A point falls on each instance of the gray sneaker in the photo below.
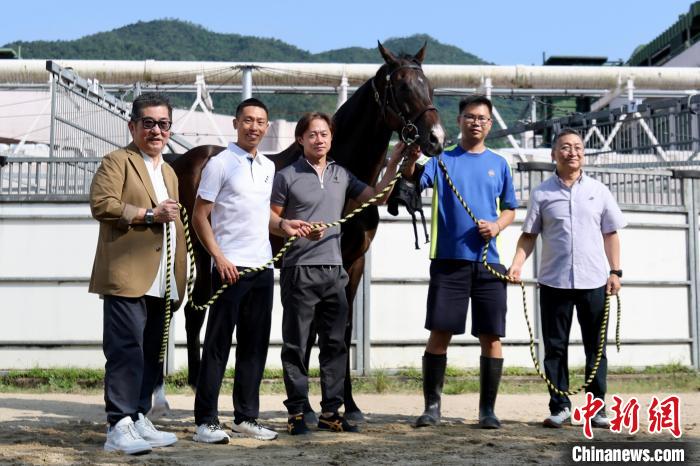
(600, 420)
(556, 420)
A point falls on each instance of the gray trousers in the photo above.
(314, 294)
(131, 341)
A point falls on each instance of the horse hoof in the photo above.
(355, 416)
(310, 418)
(159, 409)
(427, 420)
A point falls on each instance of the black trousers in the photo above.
(314, 295)
(557, 306)
(247, 307)
(131, 341)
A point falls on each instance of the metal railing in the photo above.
(47, 179)
(86, 121)
(658, 134)
(628, 186)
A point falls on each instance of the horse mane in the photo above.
(361, 138)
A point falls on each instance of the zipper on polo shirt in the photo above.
(323, 173)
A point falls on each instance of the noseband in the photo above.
(409, 131)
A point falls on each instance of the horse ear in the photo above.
(420, 56)
(386, 54)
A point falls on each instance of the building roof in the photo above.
(678, 37)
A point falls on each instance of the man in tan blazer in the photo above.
(134, 197)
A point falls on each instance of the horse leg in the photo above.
(160, 406)
(194, 319)
(352, 411)
(309, 413)
(193, 325)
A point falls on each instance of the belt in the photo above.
(323, 267)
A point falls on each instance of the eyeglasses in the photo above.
(479, 119)
(150, 123)
(567, 149)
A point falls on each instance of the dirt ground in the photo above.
(70, 429)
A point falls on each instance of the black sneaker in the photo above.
(297, 426)
(335, 423)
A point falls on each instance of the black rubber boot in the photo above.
(490, 378)
(433, 380)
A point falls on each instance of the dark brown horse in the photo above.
(397, 99)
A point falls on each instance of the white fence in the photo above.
(49, 319)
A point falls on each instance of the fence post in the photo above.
(691, 201)
(360, 319)
(536, 172)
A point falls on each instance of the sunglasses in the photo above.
(150, 123)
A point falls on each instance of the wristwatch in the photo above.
(150, 217)
(616, 272)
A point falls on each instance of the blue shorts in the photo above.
(453, 283)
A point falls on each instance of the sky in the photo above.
(505, 32)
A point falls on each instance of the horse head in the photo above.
(405, 97)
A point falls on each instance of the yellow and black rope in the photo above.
(168, 291)
(277, 257)
(606, 311)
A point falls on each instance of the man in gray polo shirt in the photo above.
(312, 279)
(578, 219)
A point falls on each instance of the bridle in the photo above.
(409, 131)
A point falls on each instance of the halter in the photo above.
(409, 131)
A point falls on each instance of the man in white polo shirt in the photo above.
(235, 191)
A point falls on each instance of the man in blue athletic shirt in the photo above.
(457, 275)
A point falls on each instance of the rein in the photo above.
(243, 272)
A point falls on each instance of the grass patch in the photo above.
(672, 377)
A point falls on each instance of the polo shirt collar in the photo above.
(329, 162)
(242, 154)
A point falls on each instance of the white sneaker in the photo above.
(123, 436)
(210, 433)
(254, 430)
(556, 420)
(153, 436)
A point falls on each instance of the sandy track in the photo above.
(69, 429)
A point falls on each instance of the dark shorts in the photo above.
(453, 283)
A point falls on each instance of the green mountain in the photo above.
(171, 39)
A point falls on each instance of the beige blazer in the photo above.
(128, 256)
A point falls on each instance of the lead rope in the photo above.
(277, 257)
(606, 311)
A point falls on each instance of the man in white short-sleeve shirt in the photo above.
(235, 191)
(578, 220)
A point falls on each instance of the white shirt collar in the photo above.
(149, 160)
(241, 153)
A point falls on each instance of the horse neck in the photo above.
(361, 136)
